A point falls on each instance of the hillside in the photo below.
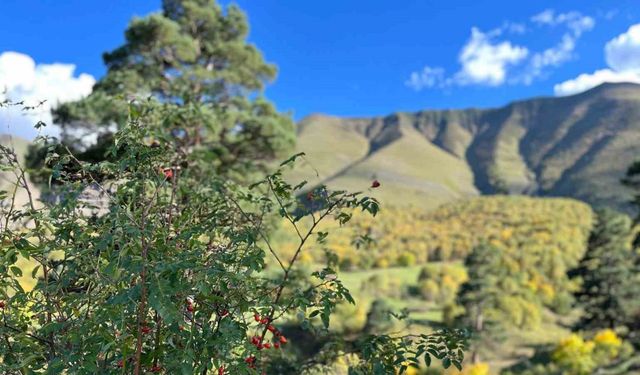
(450, 232)
(577, 146)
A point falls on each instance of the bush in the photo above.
(450, 313)
(440, 284)
(428, 273)
(406, 259)
(166, 269)
(429, 290)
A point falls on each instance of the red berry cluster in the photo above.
(156, 368)
(279, 338)
(2, 305)
(221, 370)
(251, 361)
(145, 330)
(190, 307)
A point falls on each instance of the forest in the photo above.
(191, 237)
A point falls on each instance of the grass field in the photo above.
(425, 316)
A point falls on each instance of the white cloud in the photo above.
(545, 17)
(575, 21)
(622, 54)
(514, 27)
(585, 81)
(488, 58)
(576, 24)
(21, 79)
(485, 61)
(554, 56)
(428, 77)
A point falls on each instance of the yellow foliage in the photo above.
(541, 238)
(608, 344)
(480, 368)
(575, 354)
(607, 337)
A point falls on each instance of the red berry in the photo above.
(156, 368)
(145, 329)
(255, 340)
(2, 304)
(267, 345)
(276, 345)
(375, 184)
(221, 370)
(283, 339)
(190, 308)
(259, 346)
(168, 173)
(120, 363)
(256, 317)
(271, 328)
(250, 359)
(224, 313)
(264, 320)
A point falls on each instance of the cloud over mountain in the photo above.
(622, 54)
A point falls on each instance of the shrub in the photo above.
(167, 269)
(406, 259)
(429, 290)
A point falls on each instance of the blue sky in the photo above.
(357, 57)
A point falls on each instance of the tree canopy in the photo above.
(192, 55)
(608, 292)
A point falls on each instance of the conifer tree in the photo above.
(608, 293)
(480, 294)
(193, 55)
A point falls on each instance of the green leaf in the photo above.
(446, 363)
(292, 159)
(16, 271)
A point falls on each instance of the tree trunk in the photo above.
(479, 326)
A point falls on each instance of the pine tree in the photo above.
(608, 293)
(480, 294)
(194, 56)
(632, 181)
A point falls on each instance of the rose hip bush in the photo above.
(149, 262)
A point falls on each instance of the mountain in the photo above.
(576, 146)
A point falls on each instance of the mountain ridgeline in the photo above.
(577, 146)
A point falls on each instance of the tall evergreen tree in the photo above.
(632, 181)
(194, 56)
(480, 294)
(608, 292)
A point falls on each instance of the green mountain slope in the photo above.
(577, 146)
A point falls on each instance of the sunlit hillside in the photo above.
(577, 146)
